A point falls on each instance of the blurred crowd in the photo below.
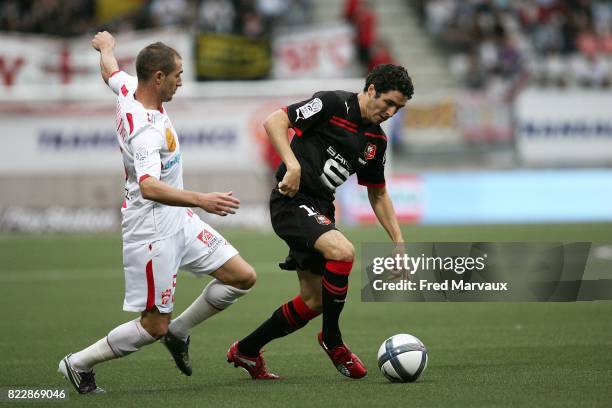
(550, 43)
(252, 18)
(64, 18)
(371, 49)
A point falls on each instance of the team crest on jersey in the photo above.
(309, 109)
(370, 151)
(170, 140)
(323, 220)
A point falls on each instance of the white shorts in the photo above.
(151, 268)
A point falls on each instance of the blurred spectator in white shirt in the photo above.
(217, 16)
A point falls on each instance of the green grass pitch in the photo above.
(61, 293)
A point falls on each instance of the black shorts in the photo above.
(300, 221)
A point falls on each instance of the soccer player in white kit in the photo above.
(160, 232)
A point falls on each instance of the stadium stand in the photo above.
(552, 43)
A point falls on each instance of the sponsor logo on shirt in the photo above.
(309, 109)
(176, 159)
(338, 157)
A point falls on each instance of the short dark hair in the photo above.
(155, 57)
(389, 77)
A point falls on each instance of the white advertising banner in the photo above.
(29, 60)
(564, 127)
(315, 52)
(79, 138)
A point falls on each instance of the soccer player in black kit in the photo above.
(337, 134)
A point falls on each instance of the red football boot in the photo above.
(344, 360)
(255, 366)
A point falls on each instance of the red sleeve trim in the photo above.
(143, 177)
(111, 75)
(284, 109)
(373, 185)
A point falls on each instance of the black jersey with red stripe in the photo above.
(332, 143)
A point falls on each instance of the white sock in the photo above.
(215, 298)
(121, 341)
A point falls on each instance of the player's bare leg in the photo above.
(310, 290)
(339, 254)
(233, 280)
(155, 322)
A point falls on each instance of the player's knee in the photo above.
(236, 273)
(157, 328)
(159, 331)
(245, 279)
(344, 253)
(249, 277)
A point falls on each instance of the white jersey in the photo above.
(150, 148)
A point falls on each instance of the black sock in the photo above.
(285, 320)
(335, 286)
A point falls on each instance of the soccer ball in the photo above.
(402, 358)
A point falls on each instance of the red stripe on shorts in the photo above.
(150, 286)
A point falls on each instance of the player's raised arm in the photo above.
(104, 43)
(277, 125)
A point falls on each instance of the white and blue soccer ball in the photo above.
(402, 358)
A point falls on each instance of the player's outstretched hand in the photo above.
(219, 203)
(290, 184)
(103, 40)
